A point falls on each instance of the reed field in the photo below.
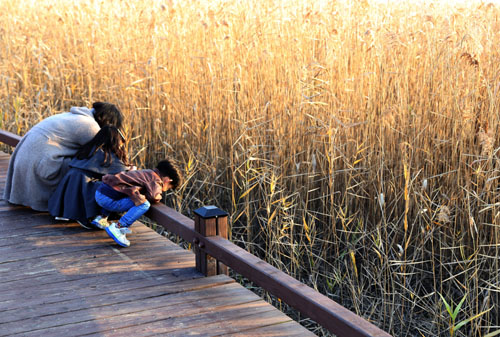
(353, 143)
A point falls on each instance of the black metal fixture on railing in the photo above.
(209, 221)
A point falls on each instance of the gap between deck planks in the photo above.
(58, 279)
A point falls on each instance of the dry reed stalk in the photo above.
(291, 115)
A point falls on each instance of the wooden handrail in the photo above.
(9, 138)
(303, 298)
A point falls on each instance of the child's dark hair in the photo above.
(168, 168)
(107, 114)
(110, 140)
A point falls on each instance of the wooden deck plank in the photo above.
(58, 279)
(60, 239)
(107, 294)
(234, 321)
(281, 329)
(160, 256)
(23, 239)
(89, 286)
(64, 240)
(131, 313)
(27, 269)
(206, 323)
(44, 279)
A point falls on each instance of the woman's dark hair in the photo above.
(110, 140)
(169, 169)
(107, 114)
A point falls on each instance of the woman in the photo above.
(41, 158)
(74, 197)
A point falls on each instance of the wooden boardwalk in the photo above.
(59, 279)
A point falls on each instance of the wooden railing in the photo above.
(208, 233)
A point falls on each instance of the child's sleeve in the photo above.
(136, 192)
(154, 191)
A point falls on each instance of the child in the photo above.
(133, 192)
(74, 197)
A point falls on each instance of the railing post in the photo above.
(209, 221)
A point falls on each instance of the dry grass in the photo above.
(353, 144)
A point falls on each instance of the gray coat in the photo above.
(41, 158)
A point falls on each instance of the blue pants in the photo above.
(133, 212)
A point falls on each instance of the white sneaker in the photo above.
(118, 234)
(126, 230)
(100, 222)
